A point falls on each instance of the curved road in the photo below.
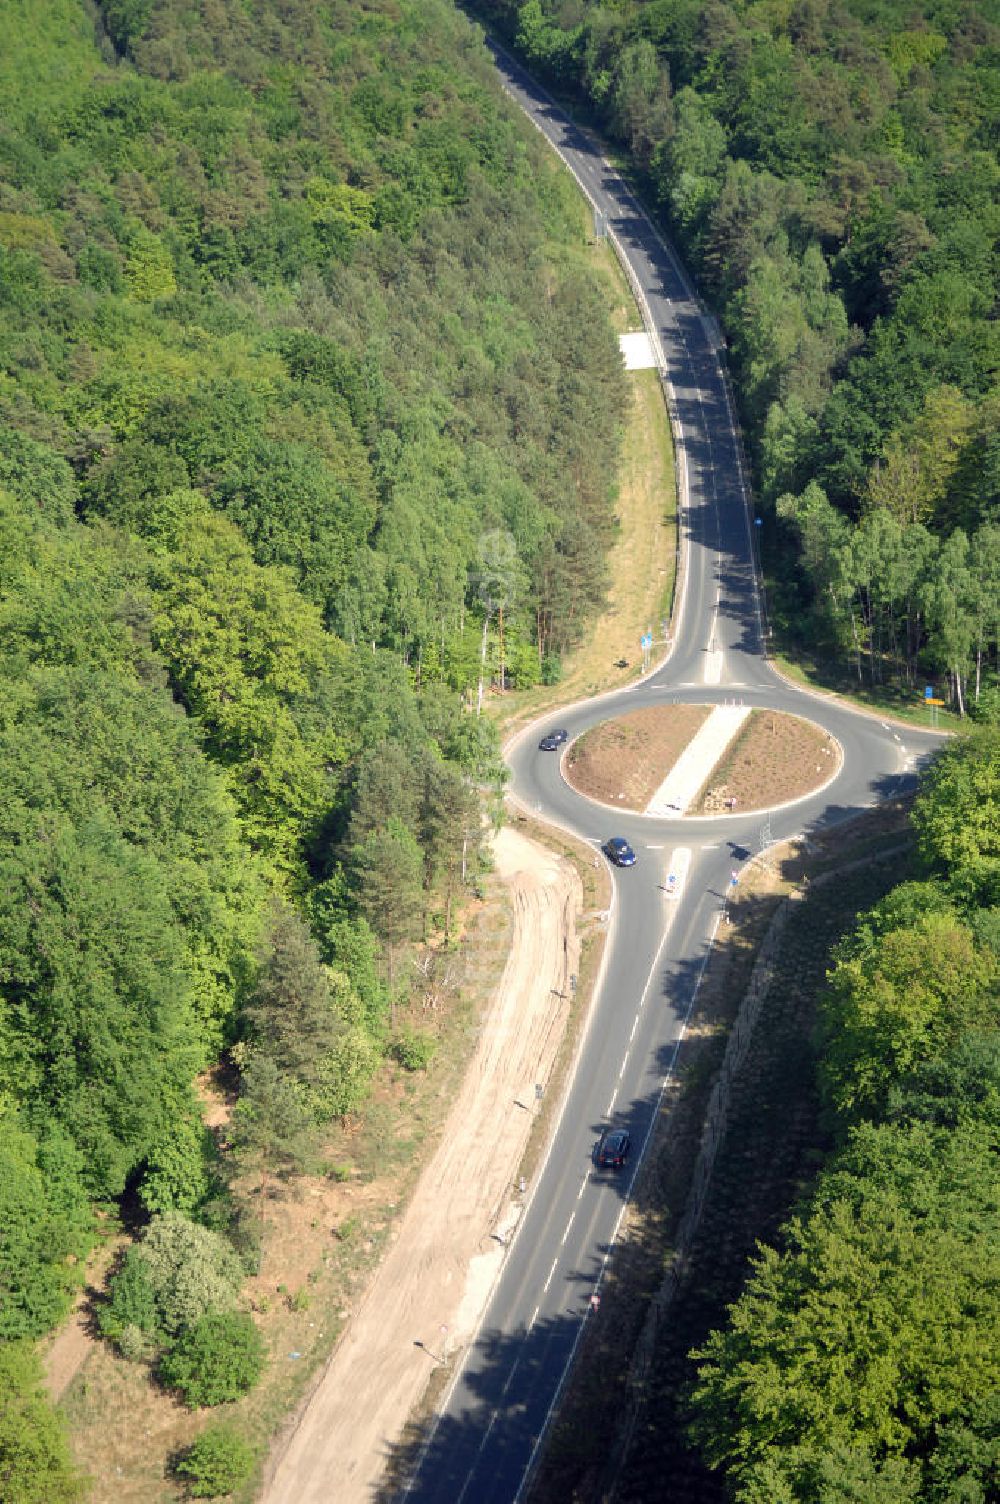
(495, 1413)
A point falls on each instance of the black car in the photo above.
(620, 852)
(612, 1149)
(552, 741)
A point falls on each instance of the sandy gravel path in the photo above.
(434, 1281)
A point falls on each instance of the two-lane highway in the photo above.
(496, 1411)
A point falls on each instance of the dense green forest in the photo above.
(829, 169)
(308, 409)
(861, 1360)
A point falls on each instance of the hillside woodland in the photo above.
(829, 170)
(308, 410)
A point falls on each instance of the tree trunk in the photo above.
(854, 635)
(392, 991)
(262, 1213)
(482, 665)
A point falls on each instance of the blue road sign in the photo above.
(758, 522)
(929, 692)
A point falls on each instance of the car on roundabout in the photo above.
(552, 741)
(612, 1149)
(619, 851)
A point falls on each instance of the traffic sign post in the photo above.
(933, 704)
(646, 643)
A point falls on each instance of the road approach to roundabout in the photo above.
(494, 1416)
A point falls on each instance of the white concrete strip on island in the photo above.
(696, 762)
(677, 871)
(713, 666)
(637, 351)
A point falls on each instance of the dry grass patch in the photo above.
(774, 758)
(624, 761)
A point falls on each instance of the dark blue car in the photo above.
(620, 852)
(612, 1149)
(552, 741)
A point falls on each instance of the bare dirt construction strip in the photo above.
(773, 759)
(435, 1278)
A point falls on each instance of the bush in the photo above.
(131, 1317)
(218, 1359)
(986, 710)
(178, 1273)
(551, 668)
(176, 1177)
(35, 1462)
(413, 1050)
(217, 1463)
(135, 1345)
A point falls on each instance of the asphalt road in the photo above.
(496, 1410)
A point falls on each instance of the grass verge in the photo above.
(892, 700)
